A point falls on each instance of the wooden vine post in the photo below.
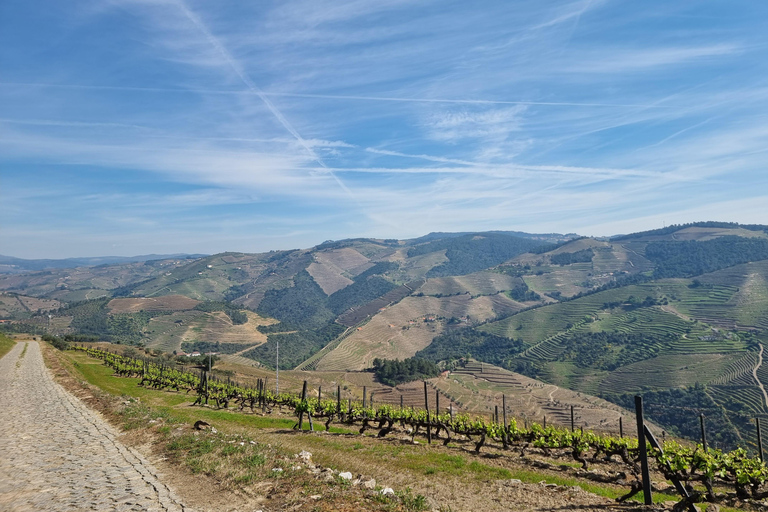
(505, 435)
(426, 406)
(643, 450)
(678, 484)
(303, 401)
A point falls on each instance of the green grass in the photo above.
(6, 344)
(243, 464)
(178, 404)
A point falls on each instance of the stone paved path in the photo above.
(58, 455)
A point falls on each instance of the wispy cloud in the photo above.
(238, 69)
(452, 126)
(616, 61)
(204, 123)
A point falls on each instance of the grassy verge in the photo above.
(6, 344)
(249, 452)
(177, 404)
(228, 453)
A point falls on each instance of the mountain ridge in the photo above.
(11, 264)
(679, 311)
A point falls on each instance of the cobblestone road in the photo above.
(58, 455)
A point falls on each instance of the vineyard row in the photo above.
(710, 468)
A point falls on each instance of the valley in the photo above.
(679, 313)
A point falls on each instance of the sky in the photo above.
(163, 126)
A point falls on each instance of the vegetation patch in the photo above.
(521, 293)
(303, 305)
(692, 258)
(567, 258)
(396, 372)
(609, 351)
(470, 342)
(234, 313)
(295, 347)
(470, 253)
(6, 344)
(216, 347)
(359, 292)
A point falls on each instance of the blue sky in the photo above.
(136, 126)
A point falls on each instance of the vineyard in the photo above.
(709, 472)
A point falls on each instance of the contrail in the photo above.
(267, 94)
(214, 41)
(459, 101)
(620, 173)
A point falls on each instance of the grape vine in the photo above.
(709, 468)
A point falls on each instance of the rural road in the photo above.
(58, 455)
(754, 373)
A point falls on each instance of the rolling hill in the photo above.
(681, 312)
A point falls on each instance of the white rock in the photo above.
(214, 431)
(514, 481)
(387, 491)
(277, 470)
(370, 484)
(346, 475)
(305, 456)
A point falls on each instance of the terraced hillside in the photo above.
(658, 310)
(479, 387)
(401, 330)
(164, 303)
(478, 283)
(333, 269)
(168, 332)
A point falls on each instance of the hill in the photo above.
(683, 309)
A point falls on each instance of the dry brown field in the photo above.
(168, 332)
(328, 277)
(479, 283)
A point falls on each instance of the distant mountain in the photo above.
(11, 265)
(544, 237)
